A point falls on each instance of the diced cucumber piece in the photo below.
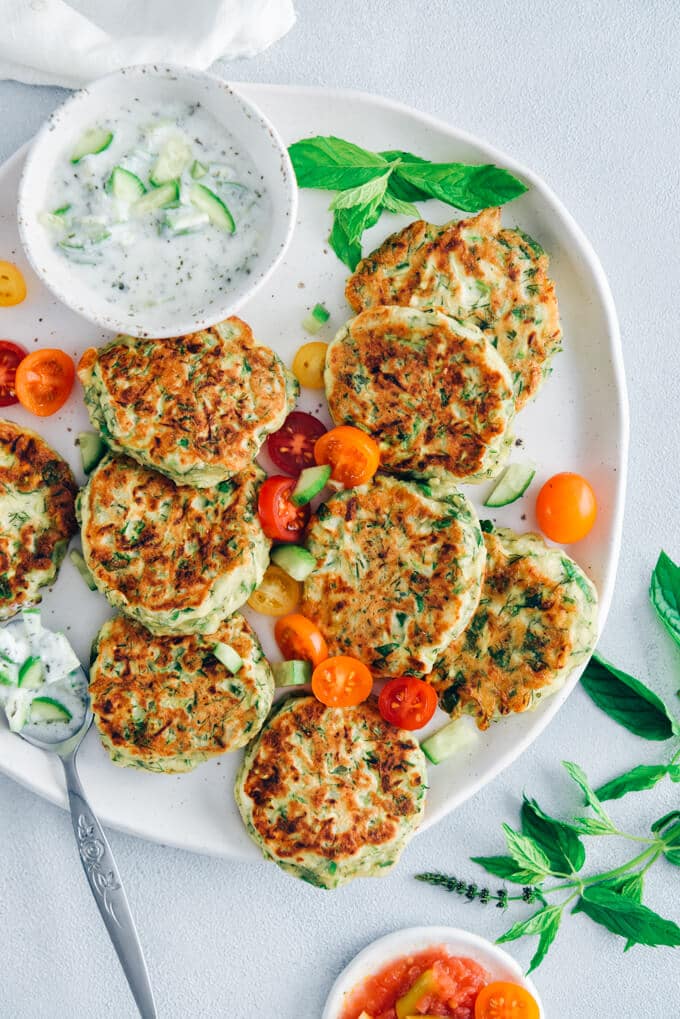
(450, 739)
(207, 201)
(311, 481)
(294, 560)
(92, 449)
(315, 319)
(157, 198)
(198, 170)
(31, 674)
(172, 161)
(91, 143)
(76, 558)
(125, 185)
(57, 656)
(62, 210)
(184, 221)
(230, 659)
(513, 483)
(46, 709)
(17, 709)
(294, 673)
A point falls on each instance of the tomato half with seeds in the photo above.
(12, 285)
(281, 519)
(300, 639)
(277, 595)
(505, 1000)
(566, 508)
(407, 702)
(292, 447)
(353, 455)
(11, 354)
(341, 682)
(44, 380)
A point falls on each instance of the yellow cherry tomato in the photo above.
(566, 508)
(12, 285)
(309, 363)
(277, 595)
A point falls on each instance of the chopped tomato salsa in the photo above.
(428, 983)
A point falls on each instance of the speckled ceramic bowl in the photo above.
(155, 84)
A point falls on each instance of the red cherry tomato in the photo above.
(11, 354)
(281, 519)
(292, 447)
(407, 702)
(566, 508)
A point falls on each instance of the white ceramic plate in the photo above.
(498, 964)
(579, 421)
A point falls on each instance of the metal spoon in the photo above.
(101, 871)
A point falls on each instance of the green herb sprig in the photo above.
(548, 855)
(370, 183)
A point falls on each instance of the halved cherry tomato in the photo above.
(44, 380)
(12, 285)
(505, 1000)
(278, 593)
(407, 702)
(353, 455)
(309, 363)
(341, 682)
(566, 508)
(292, 447)
(281, 519)
(10, 356)
(299, 639)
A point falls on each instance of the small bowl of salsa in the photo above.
(428, 972)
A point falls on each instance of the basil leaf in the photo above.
(348, 252)
(664, 592)
(506, 867)
(628, 919)
(403, 189)
(547, 936)
(628, 701)
(536, 924)
(561, 844)
(333, 163)
(398, 206)
(527, 853)
(645, 776)
(362, 194)
(579, 776)
(470, 188)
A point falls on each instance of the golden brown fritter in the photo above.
(196, 408)
(536, 621)
(331, 794)
(398, 573)
(435, 395)
(177, 559)
(166, 703)
(37, 516)
(479, 273)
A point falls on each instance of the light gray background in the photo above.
(586, 94)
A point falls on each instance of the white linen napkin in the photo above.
(54, 42)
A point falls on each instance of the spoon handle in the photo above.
(107, 889)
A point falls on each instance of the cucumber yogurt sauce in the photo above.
(157, 205)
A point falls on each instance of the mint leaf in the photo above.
(398, 206)
(579, 776)
(506, 867)
(536, 924)
(631, 887)
(672, 815)
(403, 189)
(628, 919)
(359, 218)
(333, 163)
(363, 193)
(645, 776)
(664, 592)
(547, 936)
(527, 853)
(470, 188)
(561, 844)
(592, 826)
(627, 701)
(348, 252)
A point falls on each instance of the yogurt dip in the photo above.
(156, 204)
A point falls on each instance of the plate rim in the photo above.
(596, 273)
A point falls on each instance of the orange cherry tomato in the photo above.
(407, 702)
(341, 682)
(44, 381)
(566, 508)
(12, 285)
(505, 1000)
(300, 640)
(353, 455)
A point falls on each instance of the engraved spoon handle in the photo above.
(107, 889)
